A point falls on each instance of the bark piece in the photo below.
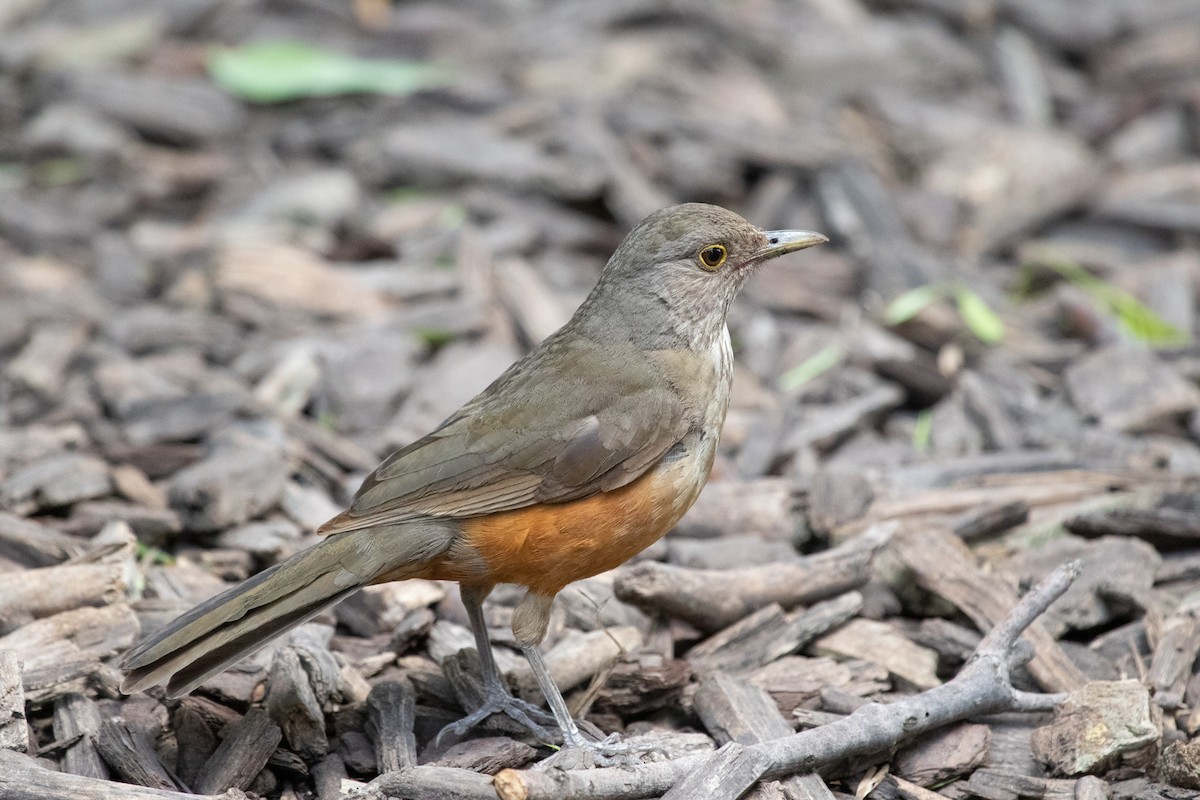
(38, 593)
(996, 783)
(1179, 764)
(737, 711)
(77, 717)
(97, 632)
(1011, 179)
(764, 507)
(641, 682)
(448, 152)
(196, 729)
(56, 481)
(179, 418)
(390, 712)
(262, 279)
(33, 544)
(1178, 642)
(1089, 787)
(712, 599)
(328, 775)
(943, 756)
(730, 772)
(1098, 726)
(238, 480)
(14, 728)
(488, 755)
(798, 682)
(1113, 567)
(1163, 527)
(24, 778)
(1128, 388)
(182, 111)
(943, 565)
(883, 644)
(42, 364)
(129, 750)
(248, 745)
(733, 710)
(294, 706)
(728, 552)
(990, 520)
(864, 213)
(768, 634)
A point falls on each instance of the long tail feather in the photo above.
(235, 623)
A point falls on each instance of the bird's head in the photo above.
(676, 273)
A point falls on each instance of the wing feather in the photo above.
(509, 448)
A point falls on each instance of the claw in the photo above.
(498, 702)
(611, 752)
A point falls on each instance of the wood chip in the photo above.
(711, 599)
(14, 728)
(882, 643)
(247, 745)
(1098, 726)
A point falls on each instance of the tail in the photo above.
(226, 628)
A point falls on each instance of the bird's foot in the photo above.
(608, 752)
(498, 701)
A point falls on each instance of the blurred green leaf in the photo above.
(435, 337)
(60, 171)
(978, 316)
(923, 431)
(153, 555)
(1137, 320)
(824, 360)
(453, 216)
(907, 305)
(275, 72)
(1140, 322)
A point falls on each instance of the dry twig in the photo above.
(982, 687)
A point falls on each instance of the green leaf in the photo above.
(978, 316)
(275, 72)
(153, 554)
(923, 431)
(435, 337)
(823, 361)
(1135, 319)
(908, 304)
(1143, 324)
(61, 171)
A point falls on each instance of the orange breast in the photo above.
(545, 547)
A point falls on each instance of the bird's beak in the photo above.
(780, 242)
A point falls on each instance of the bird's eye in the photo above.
(712, 256)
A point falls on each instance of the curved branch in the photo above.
(983, 686)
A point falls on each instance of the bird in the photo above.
(577, 457)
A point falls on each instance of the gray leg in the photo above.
(473, 597)
(562, 715)
(530, 619)
(497, 699)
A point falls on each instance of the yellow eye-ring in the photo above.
(712, 256)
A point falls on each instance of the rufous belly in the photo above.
(547, 546)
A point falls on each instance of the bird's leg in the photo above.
(530, 619)
(562, 715)
(496, 699)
